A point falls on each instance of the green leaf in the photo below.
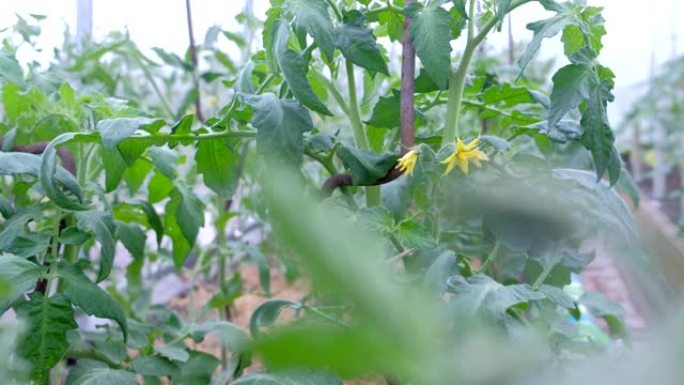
(296, 378)
(264, 269)
(152, 217)
(184, 216)
(366, 167)
(22, 274)
(176, 353)
(102, 226)
(598, 136)
(156, 366)
(159, 188)
(481, 293)
(19, 163)
(313, 16)
(190, 214)
(545, 29)
(218, 162)
(610, 311)
(132, 237)
(181, 246)
(106, 376)
(10, 70)
(293, 66)
(16, 224)
(113, 131)
(268, 35)
(114, 166)
(627, 186)
(89, 297)
(136, 174)
(280, 126)
(460, 6)
(507, 95)
(29, 245)
(47, 322)
(73, 236)
(571, 86)
(198, 369)
(165, 160)
(357, 44)
(267, 313)
(558, 296)
(386, 112)
(430, 33)
(344, 259)
(49, 176)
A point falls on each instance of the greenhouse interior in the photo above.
(341, 192)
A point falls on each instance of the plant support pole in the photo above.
(193, 58)
(407, 116)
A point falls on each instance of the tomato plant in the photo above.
(425, 205)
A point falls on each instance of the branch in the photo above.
(408, 69)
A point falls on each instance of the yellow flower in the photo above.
(465, 153)
(408, 162)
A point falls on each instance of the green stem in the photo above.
(191, 137)
(336, 10)
(265, 84)
(490, 258)
(457, 78)
(150, 79)
(372, 192)
(388, 7)
(542, 277)
(325, 316)
(333, 90)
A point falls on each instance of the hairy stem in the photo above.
(372, 192)
(457, 77)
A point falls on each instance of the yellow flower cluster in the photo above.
(465, 153)
(408, 162)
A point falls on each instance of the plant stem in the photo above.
(333, 90)
(457, 83)
(457, 78)
(325, 316)
(191, 137)
(388, 7)
(336, 10)
(490, 258)
(542, 277)
(150, 79)
(372, 192)
(265, 84)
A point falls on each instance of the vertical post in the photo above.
(195, 62)
(84, 21)
(408, 75)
